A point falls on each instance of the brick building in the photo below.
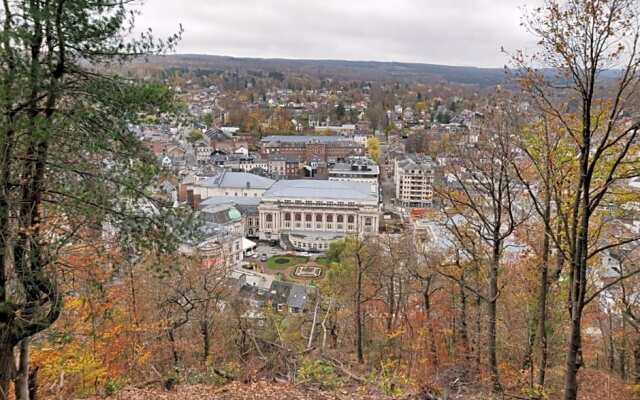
(325, 148)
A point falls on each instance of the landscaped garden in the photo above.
(306, 271)
(283, 262)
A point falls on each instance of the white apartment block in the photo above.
(413, 178)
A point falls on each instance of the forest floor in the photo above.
(595, 385)
(238, 391)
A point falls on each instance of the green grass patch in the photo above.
(324, 261)
(283, 262)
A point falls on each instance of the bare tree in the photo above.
(482, 195)
(541, 173)
(581, 40)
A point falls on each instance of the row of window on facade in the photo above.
(311, 246)
(236, 194)
(308, 217)
(320, 203)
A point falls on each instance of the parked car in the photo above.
(250, 266)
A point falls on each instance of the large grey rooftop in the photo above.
(307, 189)
(229, 200)
(356, 166)
(416, 162)
(237, 180)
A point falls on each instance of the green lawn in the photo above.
(282, 262)
(323, 261)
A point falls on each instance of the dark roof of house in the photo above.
(253, 293)
(217, 134)
(291, 294)
(221, 214)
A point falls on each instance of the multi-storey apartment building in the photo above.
(413, 177)
(285, 165)
(309, 214)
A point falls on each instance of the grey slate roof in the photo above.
(228, 200)
(321, 190)
(291, 294)
(238, 180)
(217, 134)
(417, 162)
(297, 296)
(221, 214)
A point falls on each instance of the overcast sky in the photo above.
(453, 32)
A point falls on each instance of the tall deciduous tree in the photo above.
(544, 167)
(67, 159)
(351, 279)
(582, 40)
(484, 199)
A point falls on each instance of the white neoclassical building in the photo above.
(310, 214)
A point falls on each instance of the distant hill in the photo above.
(349, 70)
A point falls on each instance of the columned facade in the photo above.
(311, 223)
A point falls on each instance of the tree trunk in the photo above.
(636, 360)
(33, 383)
(527, 360)
(623, 351)
(544, 291)
(432, 342)
(358, 318)
(464, 334)
(7, 369)
(478, 333)
(492, 321)
(312, 333)
(391, 297)
(574, 360)
(324, 324)
(611, 353)
(574, 351)
(334, 334)
(174, 350)
(22, 375)
(206, 341)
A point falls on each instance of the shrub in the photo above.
(319, 373)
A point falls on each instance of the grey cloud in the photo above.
(456, 32)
